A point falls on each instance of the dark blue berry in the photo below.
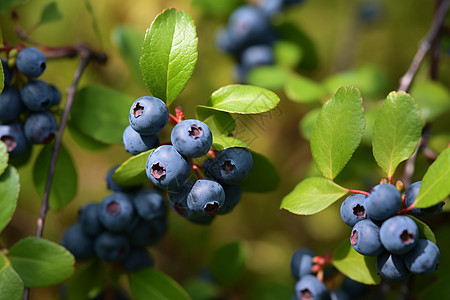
(178, 199)
(31, 62)
(10, 104)
(117, 212)
(36, 95)
(410, 197)
(78, 242)
(258, 55)
(383, 202)
(272, 7)
(136, 143)
(206, 197)
(352, 209)
(8, 73)
(111, 247)
(138, 258)
(144, 233)
(150, 204)
(192, 138)
(309, 287)
(40, 127)
(14, 137)
(89, 219)
(391, 267)
(231, 165)
(365, 238)
(233, 195)
(301, 262)
(148, 115)
(423, 259)
(56, 95)
(399, 234)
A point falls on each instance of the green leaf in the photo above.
(354, 265)
(396, 132)
(227, 263)
(425, 232)
(312, 195)
(7, 5)
(269, 77)
(263, 177)
(287, 54)
(169, 54)
(132, 171)
(432, 97)
(307, 122)
(4, 156)
(222, 8)
(435, 185)
(64, 185)
(201, 289)
(129, 42)
(2, 79)
(304, 90)
(101, 113)
(243, 99)
(11, 286)
(84, 140)
(152, 284)
(40, 262)
(337, 132)
(50, 13)
(9, 191)
(222, 142)
(87, 282)
(219, 122)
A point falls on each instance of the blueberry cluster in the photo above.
(394, 239)
(169, 166)
(249, 35)
(24, 114)
(120, 227)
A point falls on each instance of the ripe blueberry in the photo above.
(231, 165)
(410, 197)
(309, 287)
(136, 143)
(206, 197)
(10, 104)
(36, 95)
(423, 259)
(148, 115)
(77, 242)
(111, 247)
(301, 262)
(178, 199)
(383, 202)
(113, 186)
(31, 62)
(391, 267)
(353, 210)
(192, 138)
(233, 195)
(8, 73)
(14, 138)
(365, 238)
(150, 204)
(89, 219)
(399, 234)
(117, 212)
(138, 258)
(40, 127)
(145, 233)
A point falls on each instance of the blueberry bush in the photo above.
(150, 161)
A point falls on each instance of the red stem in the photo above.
(197, 172)
(173, 120)
(358, 192)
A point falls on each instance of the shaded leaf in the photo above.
(219, 122)
(40, 262)
(65, 180)
(132, 171)
(425, 232)
(354, 265)
(287, 54)
(222, 142)
(270, 77)
(11, 286)
(169, 53)
(227, 263)
(432, 97)
(263, 177)
(50, 13)
(129, 42)
(337, 131)
(312, 195)
(87, 282)
(152, 284)
(201, 289)
(302, 89)
(9, 191)
(307, 122)
(84, 140)
(4, 156)
(243, 99)
(435, 185)
(271, 290)
(396, 132)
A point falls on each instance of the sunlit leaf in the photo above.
(11, 286)
(132, 171)
(9, 191)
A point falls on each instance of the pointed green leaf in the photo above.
(50, 13)
(4, 156)
(84, 140)
(169, 54)
(435, 185)
(65, 181)
(270, 77)
(9, 191)
(396, 132)
(228, 263)
(425, 232)
(354, 265)
(129, 42)
(132, 171)
(11, 286)
(101, 113)
(312, 195)
(222, 142)
(40, 262)
(152, 284)
(432, 97)
(304, 90)
(243, 99)
(337, 131)
(219, 122)
(263, 177)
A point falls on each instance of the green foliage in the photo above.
(11, 286)
(263, 177)
(271, 290)
(432, 97)
(149, 283)
(425, 232)
(87, 281)
(169, 53)
(301, 89)
(312, 195)
(40, 262)
(9, 191)
(219, 122)
(269, 77)
(222, 142)
(227, 263)
(397, 131)
(200, 289)
(101, 113)
(65, 180)
(132, 171)
(84, 140)
(287, 54)
(222, 8)
(307, 122)
(50, 13)
(7, 5)
(4, 156)
(435, 185)
(337, 132)
(354, 265)
(129, 42)
(243, 99)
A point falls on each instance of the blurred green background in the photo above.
(271, 235)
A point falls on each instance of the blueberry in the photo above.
(145, 233)
(167, 168)
(233, 195)
(399, 234)
(309, 287)
(231, 165)
(31, 62)
(365, 238)
(225, 43)
(192, 138)
(383, 202)
(113, 186)
(391, 267)
(40, 127)
(353, 210)
(138, 258)
(410, 197)
(206, 197)
(8, 73)
(178, 199)
(301, 262)
(423, 259)
(150, 204)
(56, 95)
(258, 55)
(14, 137)
(10, 104)
(136, 143)
(36, 95)
(148, 115)
(111, 247)
(89, 219)
(117, 212)
(77, 242)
